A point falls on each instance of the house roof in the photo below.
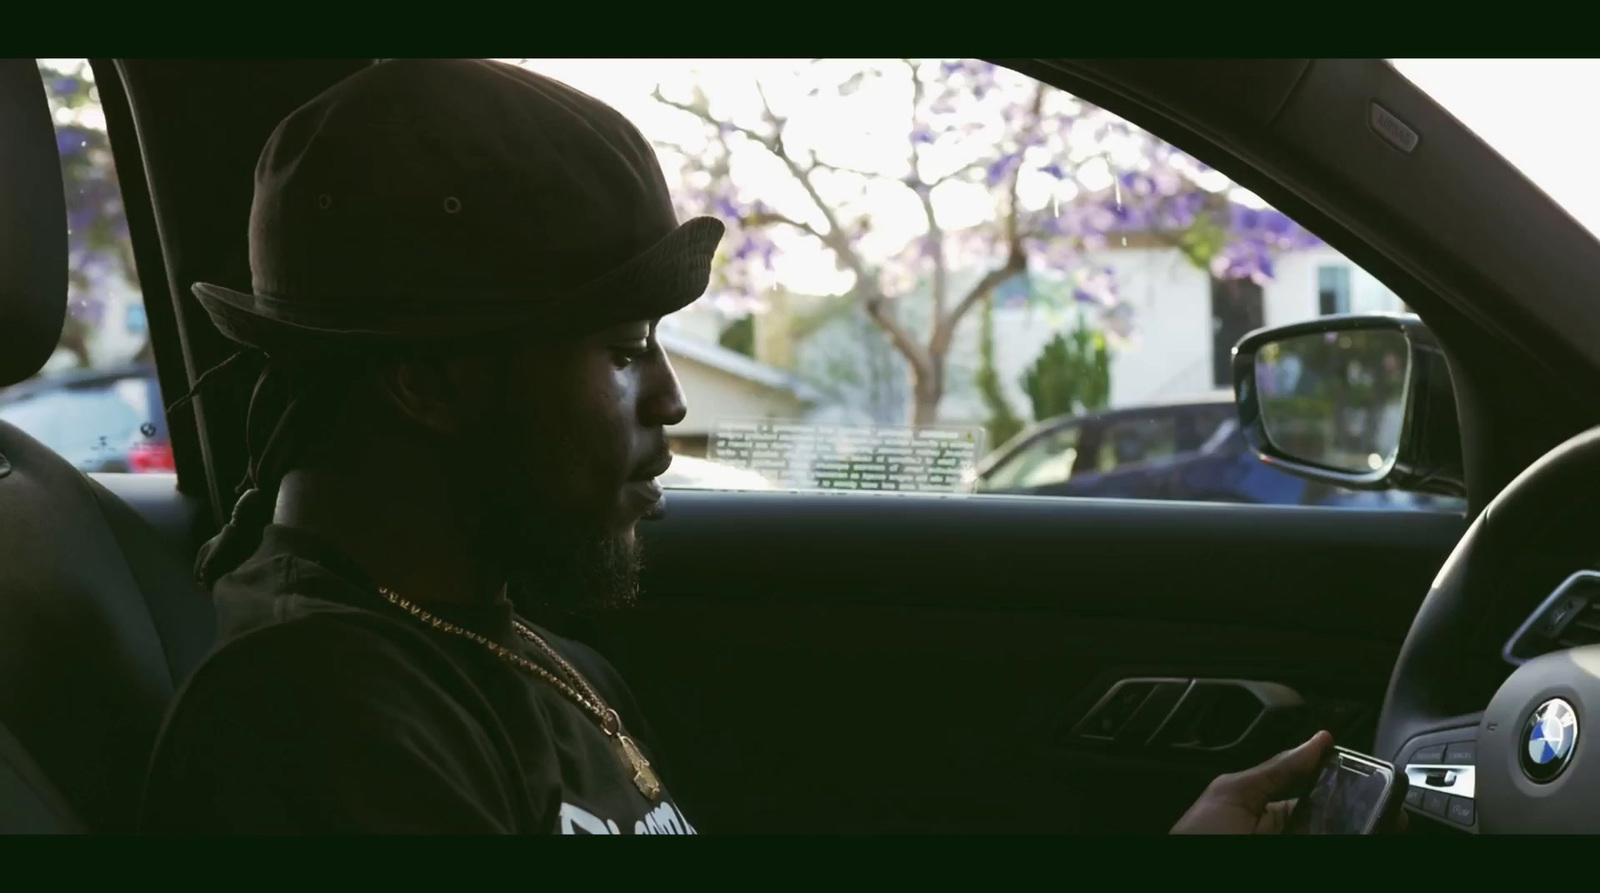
(736, 364)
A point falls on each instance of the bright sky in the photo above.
(1535, 112)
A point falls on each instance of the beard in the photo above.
(553, 561)
(557, 558)
(554, 571)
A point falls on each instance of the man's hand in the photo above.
(1255, 801)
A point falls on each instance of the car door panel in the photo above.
(929, 677)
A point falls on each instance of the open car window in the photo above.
(926, 256)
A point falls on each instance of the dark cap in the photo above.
(426, 201)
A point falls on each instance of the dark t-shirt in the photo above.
(325, 709)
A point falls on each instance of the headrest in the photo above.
(33, 224)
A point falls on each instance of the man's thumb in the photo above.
(1280, 776)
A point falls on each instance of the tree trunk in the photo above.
(927, 390)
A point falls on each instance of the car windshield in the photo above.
(1524, 110)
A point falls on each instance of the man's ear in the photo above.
(444, 396)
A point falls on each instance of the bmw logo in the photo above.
(1549, 740)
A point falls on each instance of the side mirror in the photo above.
(1364, 402)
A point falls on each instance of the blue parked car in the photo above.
(1180, 451)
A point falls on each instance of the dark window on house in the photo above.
(1333, 290)
(1236, 311)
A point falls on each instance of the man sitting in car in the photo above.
(457, 271)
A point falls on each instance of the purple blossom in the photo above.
(1277, 223)
(1096, 286)
(68, 141)
(1054, 170)
(922, 133)
(1136, 183)
(998, 170)
(1167, 182)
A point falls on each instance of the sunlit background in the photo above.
(911, 242)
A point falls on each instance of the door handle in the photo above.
(1222, 715)
(1201, 715)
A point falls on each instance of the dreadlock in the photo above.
(293, 402)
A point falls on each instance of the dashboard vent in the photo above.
(1584, 629)
(1568, 618)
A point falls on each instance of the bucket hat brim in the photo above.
(665, 278)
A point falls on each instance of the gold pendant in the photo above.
(644, 778)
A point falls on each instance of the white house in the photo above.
(724, 384)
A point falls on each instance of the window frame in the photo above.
(156, 288)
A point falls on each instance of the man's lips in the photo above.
(644, 491)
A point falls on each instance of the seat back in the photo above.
(99, 621)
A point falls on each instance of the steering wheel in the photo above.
(1486, 747)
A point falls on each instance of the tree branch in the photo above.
(766, 218)
(924, 191)
(877, 308)
(1016, 262)
(915, 177)
(718, 123)
(819, 163)
(836, 239)
(1016, 253)
(958, 173)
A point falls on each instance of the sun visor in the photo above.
(33, 224)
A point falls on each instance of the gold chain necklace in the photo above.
(575, 688)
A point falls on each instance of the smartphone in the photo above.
(1353, 794)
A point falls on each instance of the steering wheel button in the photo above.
(1464, 754)
(1434, 754)
(1436, 803)
(1460, 810)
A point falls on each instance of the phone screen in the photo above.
(1350, 796)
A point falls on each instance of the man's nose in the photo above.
(662, 402)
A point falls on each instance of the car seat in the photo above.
(99, 620)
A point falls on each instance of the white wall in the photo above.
(714, 395)
(1292, 295)
(1169, 354)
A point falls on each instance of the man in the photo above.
(457, 269)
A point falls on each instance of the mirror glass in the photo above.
(1335, 399)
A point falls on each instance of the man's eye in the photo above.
(625, 354)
